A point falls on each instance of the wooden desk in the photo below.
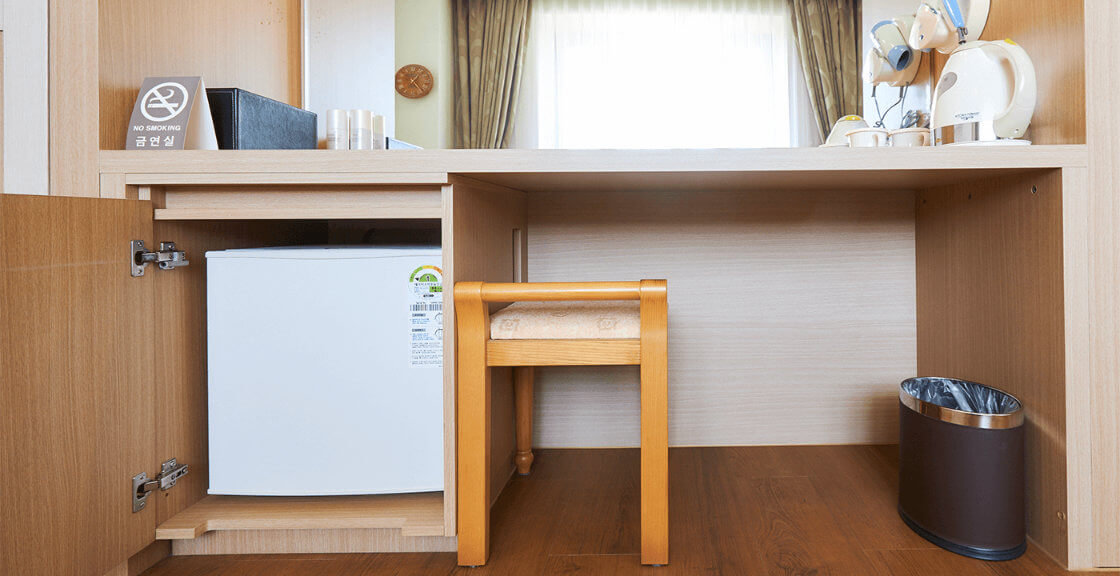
(807, 283)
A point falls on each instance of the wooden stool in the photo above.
(569, 335)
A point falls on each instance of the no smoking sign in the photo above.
(171, 114)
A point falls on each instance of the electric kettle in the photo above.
(986, 95)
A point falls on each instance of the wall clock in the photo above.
(414, 81)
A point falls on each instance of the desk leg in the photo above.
(655, 422)
(473, 401)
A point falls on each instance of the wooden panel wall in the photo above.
(791, 313)
(1053, 34)
(990, 309)
(250, 44)
(73, 98)
(481, 227)
(75, 375)
(1103, 71)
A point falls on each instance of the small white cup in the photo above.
(868, 138)
(910, 137)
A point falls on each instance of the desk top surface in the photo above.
(568, 170)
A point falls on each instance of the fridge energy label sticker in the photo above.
(425, 309)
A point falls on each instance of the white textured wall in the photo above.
(791, 314)
(423, 36)
(26, 138)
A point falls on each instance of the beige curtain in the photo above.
(827, 33)
(490, 40)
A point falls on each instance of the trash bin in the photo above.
(961, 467)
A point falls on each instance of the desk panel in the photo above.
(1003, 300)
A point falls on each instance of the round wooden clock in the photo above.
(414, 81)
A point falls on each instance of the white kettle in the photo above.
(986, 94)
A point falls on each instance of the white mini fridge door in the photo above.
(325, 371)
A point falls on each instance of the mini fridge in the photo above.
(325, 370)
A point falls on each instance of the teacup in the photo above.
(868, 138)
(910, 137)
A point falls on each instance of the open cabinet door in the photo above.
(77, 418)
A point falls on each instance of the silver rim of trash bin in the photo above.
(972, 419)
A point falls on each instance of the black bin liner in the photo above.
(961, 467)
(961, 395)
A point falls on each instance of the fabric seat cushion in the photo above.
(567, 320)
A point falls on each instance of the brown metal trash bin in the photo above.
(961, 467)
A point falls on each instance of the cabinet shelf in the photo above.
(413, 514)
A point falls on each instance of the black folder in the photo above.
(247, 121)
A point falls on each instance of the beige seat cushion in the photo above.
(566, 320)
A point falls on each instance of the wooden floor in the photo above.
(735, 511)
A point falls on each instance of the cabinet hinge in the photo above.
(169, 473)
(167, 257)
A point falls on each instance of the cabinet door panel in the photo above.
(76, 404)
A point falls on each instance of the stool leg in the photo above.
(655, 422)
(523, 398)
(472, 385)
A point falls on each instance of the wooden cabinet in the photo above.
(105, 377)
(108, 371)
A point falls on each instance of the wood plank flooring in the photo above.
(820, 510)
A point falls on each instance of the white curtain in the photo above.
(662, 74)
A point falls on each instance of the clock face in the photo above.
(414, 81)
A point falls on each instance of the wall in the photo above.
(423, 36)
(25, 109)
(917, 96)
(799, 333)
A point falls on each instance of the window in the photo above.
(661, 74)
